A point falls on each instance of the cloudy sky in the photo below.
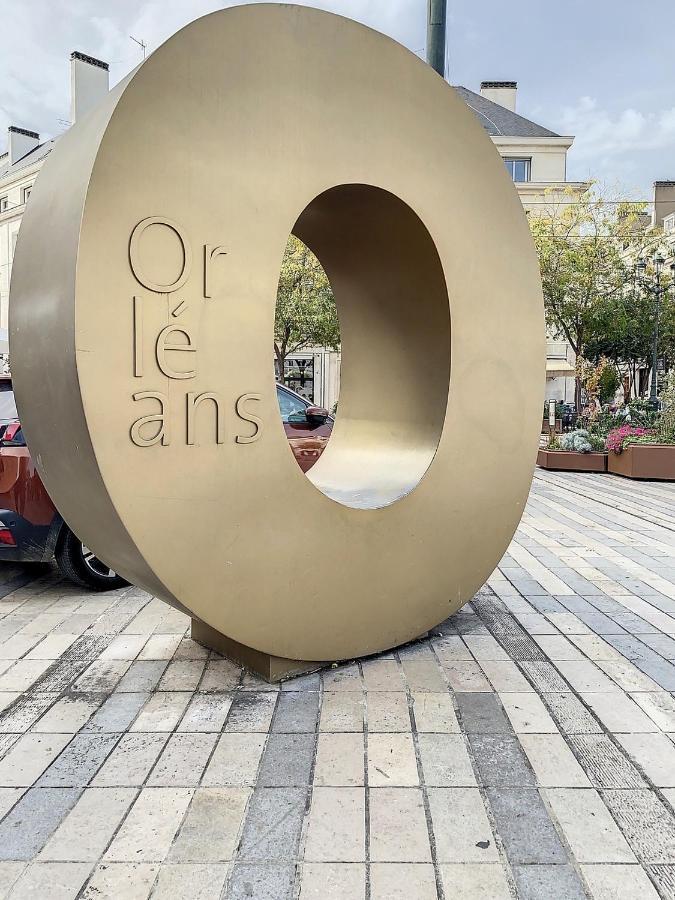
(603, 70)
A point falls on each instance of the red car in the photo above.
(31, 529)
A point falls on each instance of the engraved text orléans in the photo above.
(175, 355)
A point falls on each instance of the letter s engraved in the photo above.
(247, 416)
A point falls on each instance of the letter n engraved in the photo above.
(247, 416)
(193, 401)
(163, 434)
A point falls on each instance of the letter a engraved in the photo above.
(209, 253)
(193, 401)
(163, 434)
(247, 416)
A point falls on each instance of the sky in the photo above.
(602, 70)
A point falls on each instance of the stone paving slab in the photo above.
(525, 749)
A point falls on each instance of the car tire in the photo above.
(79, 565)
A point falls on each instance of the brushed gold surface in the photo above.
(142, 353)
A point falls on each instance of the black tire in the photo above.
(80, 565)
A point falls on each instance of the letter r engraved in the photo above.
(209, 253)
(193, 401)
(164, 344)
(163, 434)
(247, 416)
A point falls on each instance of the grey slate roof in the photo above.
(34, 156)
(497, 120)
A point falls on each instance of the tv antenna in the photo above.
(141, 44)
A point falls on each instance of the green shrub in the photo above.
(579, 440)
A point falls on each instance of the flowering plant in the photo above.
(617, 438)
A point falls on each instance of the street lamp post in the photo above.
(658, 285)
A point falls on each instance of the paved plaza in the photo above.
(526, 749)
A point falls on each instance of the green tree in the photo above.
(580, 240)
(623, 326)
(306, 315)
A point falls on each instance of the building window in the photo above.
(669, 223)
(25, 194)
(518, 169)
(4, 204)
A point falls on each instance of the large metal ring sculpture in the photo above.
(142, 313)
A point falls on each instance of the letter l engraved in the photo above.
(138, 337)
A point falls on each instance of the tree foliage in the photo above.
(587, 245)
(306, 315)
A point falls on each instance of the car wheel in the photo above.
(78, 563)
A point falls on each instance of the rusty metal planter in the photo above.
(572, 461)
(652, 462)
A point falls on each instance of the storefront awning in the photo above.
(559, 367)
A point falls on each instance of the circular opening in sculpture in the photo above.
(393, 308)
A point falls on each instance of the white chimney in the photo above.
(20, 142)
(88, 84)
(502, 92)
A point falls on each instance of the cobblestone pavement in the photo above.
(526, 749)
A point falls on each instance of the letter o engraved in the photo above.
(414, 500)
(135, 256)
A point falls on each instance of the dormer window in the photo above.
(518, 169)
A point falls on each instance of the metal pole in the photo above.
(653, 394)
(436, 25)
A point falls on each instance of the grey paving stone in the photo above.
(605, 764)
(664, 877)
(251, 882)
(482, 713)
(251, 711)
(287, 760)
(545, 677)
(80, 761)
(601, 624)
(25, 711)
(142, 675)
(548, 882)
(647, 825)
(117, 713)
(296, 712)
(273, 824)
(570, 714)
(501, 761)
(526, 830)
(26, 829)
(663, 644)
(72, 663)
(311, 682)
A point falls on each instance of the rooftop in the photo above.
(499, 121)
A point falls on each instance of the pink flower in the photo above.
(615, 439)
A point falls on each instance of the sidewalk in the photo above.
(526, 749)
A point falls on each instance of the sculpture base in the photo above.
(271, 668)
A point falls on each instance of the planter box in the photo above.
(653, 462)
(571, 461)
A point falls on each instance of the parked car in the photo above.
(31, 528)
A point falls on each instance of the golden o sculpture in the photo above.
(142, 312)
